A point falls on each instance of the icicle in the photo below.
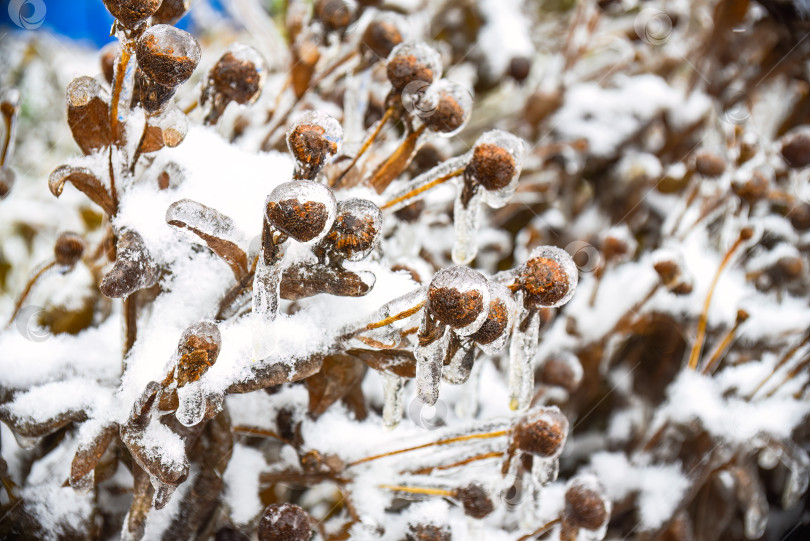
(752, 499)
(467, 405)
(393, 386)
(466, 221)
(266, 285)
(429, 360)
(798, 465)
(521, 359)
(192, 405)
(461, 353)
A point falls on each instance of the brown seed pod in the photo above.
(88, 114)
(753, 189)
(153, 96)
(134, 268)
(710, 165)
(284, 522)
(427, 532)
(475, 500)
(449, 114)
(547, 279)
(238, 75)
(171, 11)
(380, 37)
(7, 178)
(68, 249)
(132, 12)
(413, 62)
(313, 139)
(167, 55)
(197, 351)
(541, 432)
(585, 505)
(334, 14)
(356, 230)
(457, 296)
(107, 59)
(495, 324)
(303, 210)
(492, 166)
(519, 68)
(796, 148)
(563, 373)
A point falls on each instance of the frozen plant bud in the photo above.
(170, 11)
(301, 209)
(585, 504)
(334, 14)
(88, 114)
(547, 279)
(709, 165)
(7, 178)
(313, 139)
(133, 268)
(447, 107)
(427, 532)
(459, 297)
(132, 12)
(670, 272)
(754, 189)
(238, 75)
(519, 68)
(381, 36)
(562, 372)
(167, 55)
(197, 350)
(356, 230)
(495, 325)
(496, 161)
(413, 62)
(796, 148)
(68, 249)
(475, 500)
(284, 522)
(542, 432)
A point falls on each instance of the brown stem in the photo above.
(130, 321)
(483, 456)
(784, 359)
(366, 144)
(396, 163)
(8, 119)
(423, 188)
(27, 290)
(717, 356)
(541, 530)
(694, 356)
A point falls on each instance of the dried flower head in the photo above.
(284, 522)
(547, 279)
(475, 500)
(496, 324)
(427, 532)
(313, 139)
(68, 249)
(238, 75)
(381, 36)
(197, 351)
(132, 12)
(459, 297)
(710, 165)
(796, 148)
(170, 11)
(334, 14)
(167, 55)
(413, 62)
(496, 162)
(519, 68)
(542, 432)
(356, 230)
(302, 209)
(585, 504)
(448, 107)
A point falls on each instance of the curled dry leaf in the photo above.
(214, 228)
(86, 182)
(88, 114)
(307, 279)
(338, 375)
(134, 268)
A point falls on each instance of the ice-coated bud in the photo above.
(171, 11)
(197, 351)
(475, 501)
(167, 55)
(413, 62)
(381, 36)
(547, 279)
(132, 12)
(427, 532)
(459, 297)
(796, 147)
(334, 14)
(492, 335)
(238, 75)
(542, 432)
(284, 522)
(356, 230)
(496, 161)
(313, 139)
(134, 268)
(68, 249)
(446, 107)
(585, 503)
(302, 209)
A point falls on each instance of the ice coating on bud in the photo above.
(302, 209)
(284, 522)
(171, 11)
(459, 297)
(334, 14)
(313, 138)
(496, 161)
(237, 76)
(491, 337)
(173, 125)
(356, 230)
(542, 432)
(382, 35)
(167, 55)
(413, 62)
(132, 12)
(548, 279)
(586, 505)
(197, 351)
(446, 107)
